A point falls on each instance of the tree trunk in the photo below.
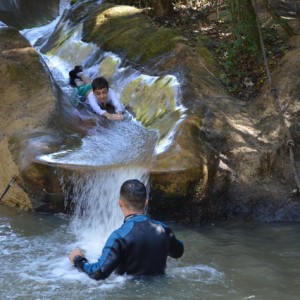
(162, 8)
(244, 26)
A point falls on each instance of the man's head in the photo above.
(133, 195)
(100, 88)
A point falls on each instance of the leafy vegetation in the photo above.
(225, 30)
(243, 68)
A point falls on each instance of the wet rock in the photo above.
(28, 13)
(26, 110)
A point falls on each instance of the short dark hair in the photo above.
(99, 83)
(134, 194)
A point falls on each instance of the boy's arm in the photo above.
(116, 102)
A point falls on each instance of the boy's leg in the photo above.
(84, 78)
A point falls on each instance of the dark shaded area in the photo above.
(243, 72)
(28, 13)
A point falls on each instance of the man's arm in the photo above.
(176, 247)
(107, 262)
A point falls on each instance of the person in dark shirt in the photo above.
(139, 247)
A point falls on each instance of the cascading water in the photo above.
(95, 202)
(109, 153)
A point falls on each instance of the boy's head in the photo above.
(99, 83)
(100, 88)
(133, 195)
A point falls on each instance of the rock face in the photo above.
(228, 157)
(28, 13)
(27, 107)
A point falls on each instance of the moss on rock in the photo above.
(125, 29)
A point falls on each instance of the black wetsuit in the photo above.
(139, 247)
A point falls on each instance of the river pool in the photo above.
(228, 260)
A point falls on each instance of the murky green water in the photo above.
(221, 261)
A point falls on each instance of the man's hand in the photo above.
(74, 253)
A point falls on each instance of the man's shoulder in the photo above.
(123, 230)
(151, 222)
(139, 220)
(159, 223)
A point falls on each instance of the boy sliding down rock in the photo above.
(98, 94)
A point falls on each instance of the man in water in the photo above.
(98, 94)
(139, 247)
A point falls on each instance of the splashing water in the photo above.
(115, 143)
(96, 214)
(116, 151)
(95, 200)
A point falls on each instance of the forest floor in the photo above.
(243, 72)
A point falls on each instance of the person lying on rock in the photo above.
(98, 94)
(139, 247)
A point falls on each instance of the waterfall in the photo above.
(110, 152)
(94, 198)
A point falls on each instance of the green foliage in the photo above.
(244, 42)
(228, 29)
(270, 35)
